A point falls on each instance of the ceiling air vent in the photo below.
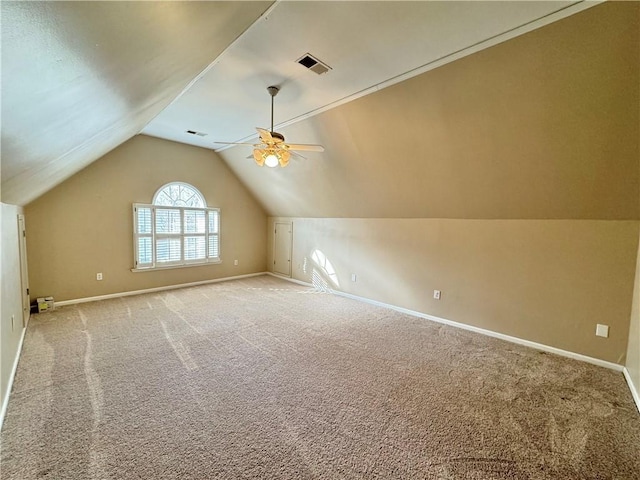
(313, 64)
(200, 134)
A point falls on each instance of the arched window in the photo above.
(178, 194)
(176, 229)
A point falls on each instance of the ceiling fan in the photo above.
(273, 150)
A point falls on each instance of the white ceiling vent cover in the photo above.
(312, 63)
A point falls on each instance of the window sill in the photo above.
(171, 267)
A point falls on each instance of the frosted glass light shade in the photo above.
(271, 160)
(271, 157)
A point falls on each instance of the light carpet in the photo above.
(262, 378)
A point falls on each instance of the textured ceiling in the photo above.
(80, 78)
(368, 45)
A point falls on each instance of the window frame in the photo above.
(208, 234)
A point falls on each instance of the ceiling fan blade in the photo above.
(265, 135)
(304, 148)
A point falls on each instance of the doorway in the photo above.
(282, 240)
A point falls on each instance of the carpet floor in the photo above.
(262, 378)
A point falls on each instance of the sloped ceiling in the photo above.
(80, 78)
(543, 126)
(367, 45)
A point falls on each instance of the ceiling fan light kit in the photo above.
(271, 157)
(273, 150)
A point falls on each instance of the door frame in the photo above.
(24, 270)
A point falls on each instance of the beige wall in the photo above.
(633, 347)
(84, 225)
(11, 296)
(547, 281)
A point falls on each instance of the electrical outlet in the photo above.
(436, 294)
(235, 262)
(98, 276)
(602, 330)
(354, 277)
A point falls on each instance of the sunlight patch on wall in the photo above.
(323, 275)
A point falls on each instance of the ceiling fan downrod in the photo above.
(273, 91)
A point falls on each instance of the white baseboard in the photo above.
(635, 393)
(7, 393)
(464, 326)
(491, 333)
(293, 280)
(155, 289)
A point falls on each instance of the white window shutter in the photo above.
(214, 235)
(143, 236)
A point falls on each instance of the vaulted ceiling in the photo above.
(80, 78)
